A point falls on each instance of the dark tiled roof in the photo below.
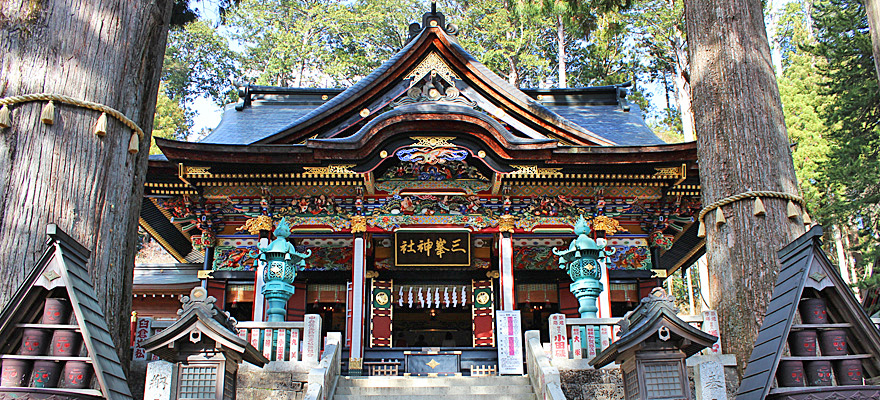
(260, 120)
(626, 128)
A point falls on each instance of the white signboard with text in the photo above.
(510, 342)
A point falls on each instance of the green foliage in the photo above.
(804, 101)
(199, 63)
(171, 121)
(506, 36)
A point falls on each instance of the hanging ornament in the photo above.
(101, 125)
(454, 297)
(428, 297)
(463, 296)
(400, 297)
(437, 297)
(5, 117)
(134, 143)
(701, 233)
(792, 210)
(807, 219)
(759, 207)
(410, 298)
(446, 296)
(48, 114)
(719, 217)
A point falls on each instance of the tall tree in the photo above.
(849, 179)
(873, 9)
(742, 145)
(107, 52)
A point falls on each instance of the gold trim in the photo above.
(432, 141)
(507, 223)
(432, 63)
(165, 245)
(470, 247)
(205, 274)
(358, 224)
(534, 170)
(330, 169)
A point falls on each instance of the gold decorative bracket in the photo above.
(432, 141)
(433, 62)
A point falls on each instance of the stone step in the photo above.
(434, 390)
(529, 396)
(412, 381)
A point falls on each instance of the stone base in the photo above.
(276, 381)
(607, 383)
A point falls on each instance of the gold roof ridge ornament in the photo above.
(433, 62)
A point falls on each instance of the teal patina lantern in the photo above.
(582, 260)
(280, 261)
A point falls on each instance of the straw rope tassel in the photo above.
(759, 207)
(792, 210)
(807, 219)
(5, 118)
(134, 144)
(701, 233)
(719, 217)
(101, 125)
(48, 114)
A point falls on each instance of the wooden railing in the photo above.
(278, 341)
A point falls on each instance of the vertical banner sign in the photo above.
(604, 337)
(382, 314)
(242, 333)
(710, 326)
(312, 338)
(255, 338)
(591, 341)
(141, 334)
(267, 343)
(279, 346)
(294, 345)
(510, 356)
(349, 299)
(577, 342)
(483, 313)
(558, 337)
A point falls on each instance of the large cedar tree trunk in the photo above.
(742, 146)
(104, 51)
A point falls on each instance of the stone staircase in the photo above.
(435, 388)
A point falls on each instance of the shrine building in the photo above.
(426, 197)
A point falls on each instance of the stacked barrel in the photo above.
(49, 355)
(822, 365)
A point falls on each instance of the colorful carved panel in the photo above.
(382, 314)
(629, 253)
(329, 259)
(483, 313)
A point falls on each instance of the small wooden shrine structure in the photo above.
(205, 348)
(806, 274)
(61, 273)
(652, 348)
(430, 194)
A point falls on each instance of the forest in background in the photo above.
(823, 62)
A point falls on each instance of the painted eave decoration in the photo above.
(62, 272)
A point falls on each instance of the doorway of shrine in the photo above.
(436, 314)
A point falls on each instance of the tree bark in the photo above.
(560, 45)
(873, 9)
(682, 87)
(742, 145)
(109, 52)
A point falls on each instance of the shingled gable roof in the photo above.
(200, 313)
(62, 267)
(388, 82)
(644, 322)
(806, 270)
